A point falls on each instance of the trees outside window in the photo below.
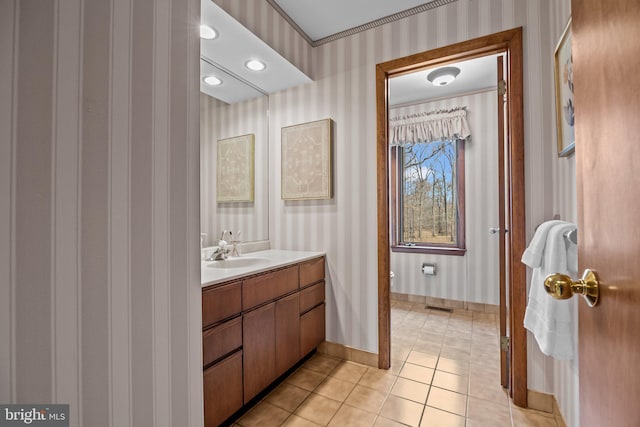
(428, 193)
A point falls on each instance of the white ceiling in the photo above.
(226, 55)
(475, 74)
(319, 19)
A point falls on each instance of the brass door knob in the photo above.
(561, 286)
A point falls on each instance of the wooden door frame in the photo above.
(510, 43)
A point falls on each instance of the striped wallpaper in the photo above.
(100, 293)
(344, 90)
(218, 121)
(473, 277)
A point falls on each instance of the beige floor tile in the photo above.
(318, 409)
(433, 417)
(423, 359)
(485, 411)
(487, 388)
(296, 421)
(448, 401)
(431, 337)
(451, 382)
(411, 390)
(385, 422)
(321, 363)
(264, 415)
(528, 417)
(348, 371)
(462, 355)
(417, 373)
(490, 373)
(306, 379)
(402, 410)
(400, 352)
(377, 379)
(366, 398)
(287, 396)
(456, 342)
(352, 417)
(487, 423)
(396, 367)
(427, 347)
(335, 388)
(453, 366)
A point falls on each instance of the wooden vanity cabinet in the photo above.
(255, 330)
(223, 389)
(312, 330)
(312, 307)
(222, 351)
(259, 345)
(287, 333)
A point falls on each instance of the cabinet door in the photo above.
(222, 390)
(287, 333)
(312, 331)
(259, 347)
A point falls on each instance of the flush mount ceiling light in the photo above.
(212, 81)
(208, 33)
(255, 65)
(443, 76)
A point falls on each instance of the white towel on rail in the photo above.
(551, 320)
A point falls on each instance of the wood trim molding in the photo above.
(509, 42)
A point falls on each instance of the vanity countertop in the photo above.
(258, 262)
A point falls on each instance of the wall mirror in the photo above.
(237, 71)
(219, 120)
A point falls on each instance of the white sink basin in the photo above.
(239, 262)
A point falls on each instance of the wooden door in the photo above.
(259, 348)
(606, 60)
(502, 110)
(287, 333)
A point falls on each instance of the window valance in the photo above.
(440, 125)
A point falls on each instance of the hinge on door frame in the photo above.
(502, 88)
(504, 344)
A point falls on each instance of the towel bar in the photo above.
(572, 236)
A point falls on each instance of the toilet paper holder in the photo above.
(429, 268)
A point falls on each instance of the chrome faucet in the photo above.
(222, 251)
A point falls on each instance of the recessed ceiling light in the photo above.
(212, 81)
(443, 76)
(208, 33)
(255, 65)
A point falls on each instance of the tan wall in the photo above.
(100, 295)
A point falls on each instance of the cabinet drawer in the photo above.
(220, 303)
(311, 296)
(311, 271)
(222, 390)
(269, 286)
(221, 340)
(312, 331)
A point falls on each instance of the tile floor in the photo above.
(445, 372)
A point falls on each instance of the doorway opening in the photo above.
(511, 211)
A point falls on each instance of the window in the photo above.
(427, 196)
